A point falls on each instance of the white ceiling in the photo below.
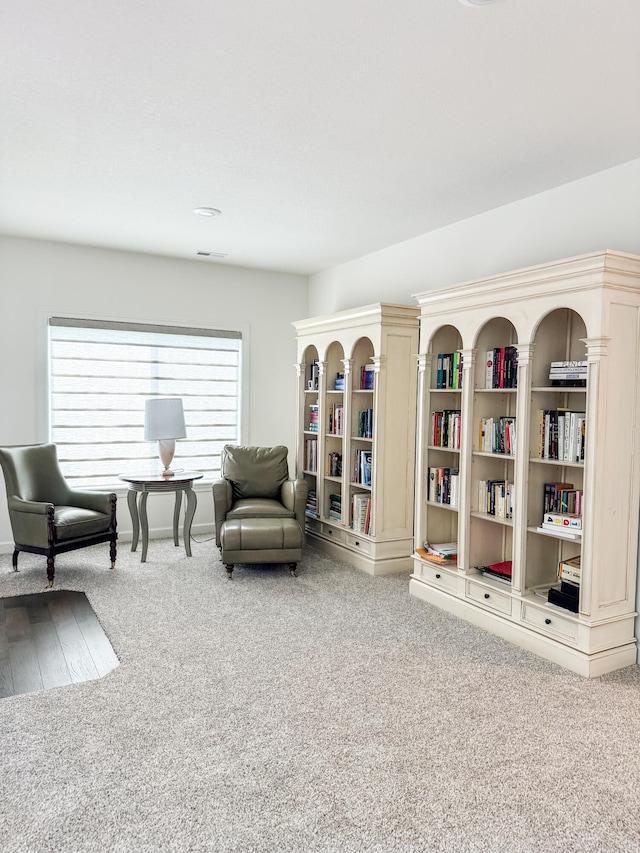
(323, 129)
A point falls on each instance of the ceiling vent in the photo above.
(212, 254)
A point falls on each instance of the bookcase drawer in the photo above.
(439, 577)
(335, 534)
(489, 597)
(358, 543)
(551, 622)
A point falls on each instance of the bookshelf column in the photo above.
(469, 357)
(521, 465)
(597, 405)
(425, 361)
(379, 430)
(347, 432)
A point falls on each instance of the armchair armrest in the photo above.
(293, 494)
(222, 503)
(17, 504)
(30, 521)
(97, 501)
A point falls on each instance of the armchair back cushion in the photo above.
(33, 473)
(255, 472)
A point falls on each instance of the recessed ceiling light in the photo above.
(207, 211)
(476, 2)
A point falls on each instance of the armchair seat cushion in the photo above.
(262, 535)
(259, 508)
(72, 522)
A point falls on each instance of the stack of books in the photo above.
(313, 418)
(335, 507)
(312, 503)
(443, 550)
(568, 374)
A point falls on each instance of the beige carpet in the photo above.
(328, 712)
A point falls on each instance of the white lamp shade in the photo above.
(164, 418)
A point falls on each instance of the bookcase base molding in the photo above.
(527, 628)
(390, 557)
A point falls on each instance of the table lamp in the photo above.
(164, 422)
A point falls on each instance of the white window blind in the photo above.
(101, 373)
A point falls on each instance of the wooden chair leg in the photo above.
(15, 560)
(229, 568)
(50, 569)
(292, 570)
(112, 553)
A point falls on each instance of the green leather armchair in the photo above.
(48, 516)
(259, 511)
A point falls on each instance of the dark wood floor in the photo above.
(50, 639)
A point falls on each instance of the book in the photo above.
(561, 532)
(488, 377)
(565, 521)
(503, 569)
(569, 570)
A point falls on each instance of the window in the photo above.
(101, 373)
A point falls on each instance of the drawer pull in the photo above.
(437, 577)
(486, 595)
(547, 621)
(357, 543)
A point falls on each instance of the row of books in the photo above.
(334, 465)
(311, 455)
(313, 418)
(445, 428)
(562, 498)
(312, 502)
(361, 468)
(334, 425)
(335, 507)
(568, 374)
(496, 497)
(498, 435)
(449, 370)
(365, 424)
(367, 373)
(361, 513)
(338, 384)
(561, 435)
(442, 486)
(501, 368)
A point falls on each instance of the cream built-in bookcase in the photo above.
(357, 377)
(581, 309)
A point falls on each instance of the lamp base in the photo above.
(166, 449)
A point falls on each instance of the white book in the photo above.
(482, 495)
(488, 381)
